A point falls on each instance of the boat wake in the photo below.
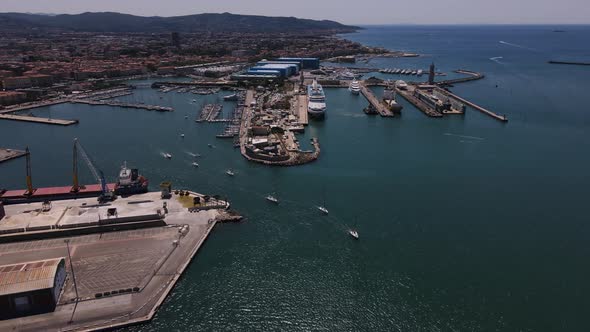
(466, 137)
(516, 45)
(496, 59)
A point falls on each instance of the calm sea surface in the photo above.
(466, 223)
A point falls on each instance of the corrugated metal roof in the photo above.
(29, 276)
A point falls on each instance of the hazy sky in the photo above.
(345, 11)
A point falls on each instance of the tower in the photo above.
(431, 74)
(175, 39)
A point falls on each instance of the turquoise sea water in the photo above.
(466, 224)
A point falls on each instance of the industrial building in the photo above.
(280, 68)
(31, 288)
(306, 63)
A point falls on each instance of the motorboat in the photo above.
(272, 199)
(354, 234)
(167, 156)
(230, 172)
(195, 164)
(323, 209)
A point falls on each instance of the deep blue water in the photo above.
(466, 224)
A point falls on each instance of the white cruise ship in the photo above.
(355, 87)
(316, 107)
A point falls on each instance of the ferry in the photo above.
(317, 100)
(355, 87)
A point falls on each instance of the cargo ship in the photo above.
(130, 182)
(316, 107)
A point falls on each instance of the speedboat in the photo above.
(167, 156)
(354, 234)
(323, 209)
(195, 165)
(272, 199)
(230, 172)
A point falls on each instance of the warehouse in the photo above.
(306, 63)
(31, 288)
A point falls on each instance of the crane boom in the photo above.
(97, 174)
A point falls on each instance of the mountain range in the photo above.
(117, 22)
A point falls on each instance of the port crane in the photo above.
(30, 189)
(106, 194)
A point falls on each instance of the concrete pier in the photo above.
(122, 276)
(37, 119)
(373, 100)
(123, 105)
(8, 154)
(301, 102)
(472, 76)
(502, 118)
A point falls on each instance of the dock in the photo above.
(301, 102)
(126, 263)
(498, 117)
(420, 105)
(123, 105)
(8, 154)
(35, 119)
(373, 100)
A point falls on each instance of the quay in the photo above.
(127, 255)
(373, 100)
(8, 154)
(123, 105)
(498, 117)
(37, 119)
(301, 102)
(28, 106)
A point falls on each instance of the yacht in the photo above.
(272, 199)
(317, 100)
(355, 87)
(354, 234)
(420, 72)
(401, 85)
